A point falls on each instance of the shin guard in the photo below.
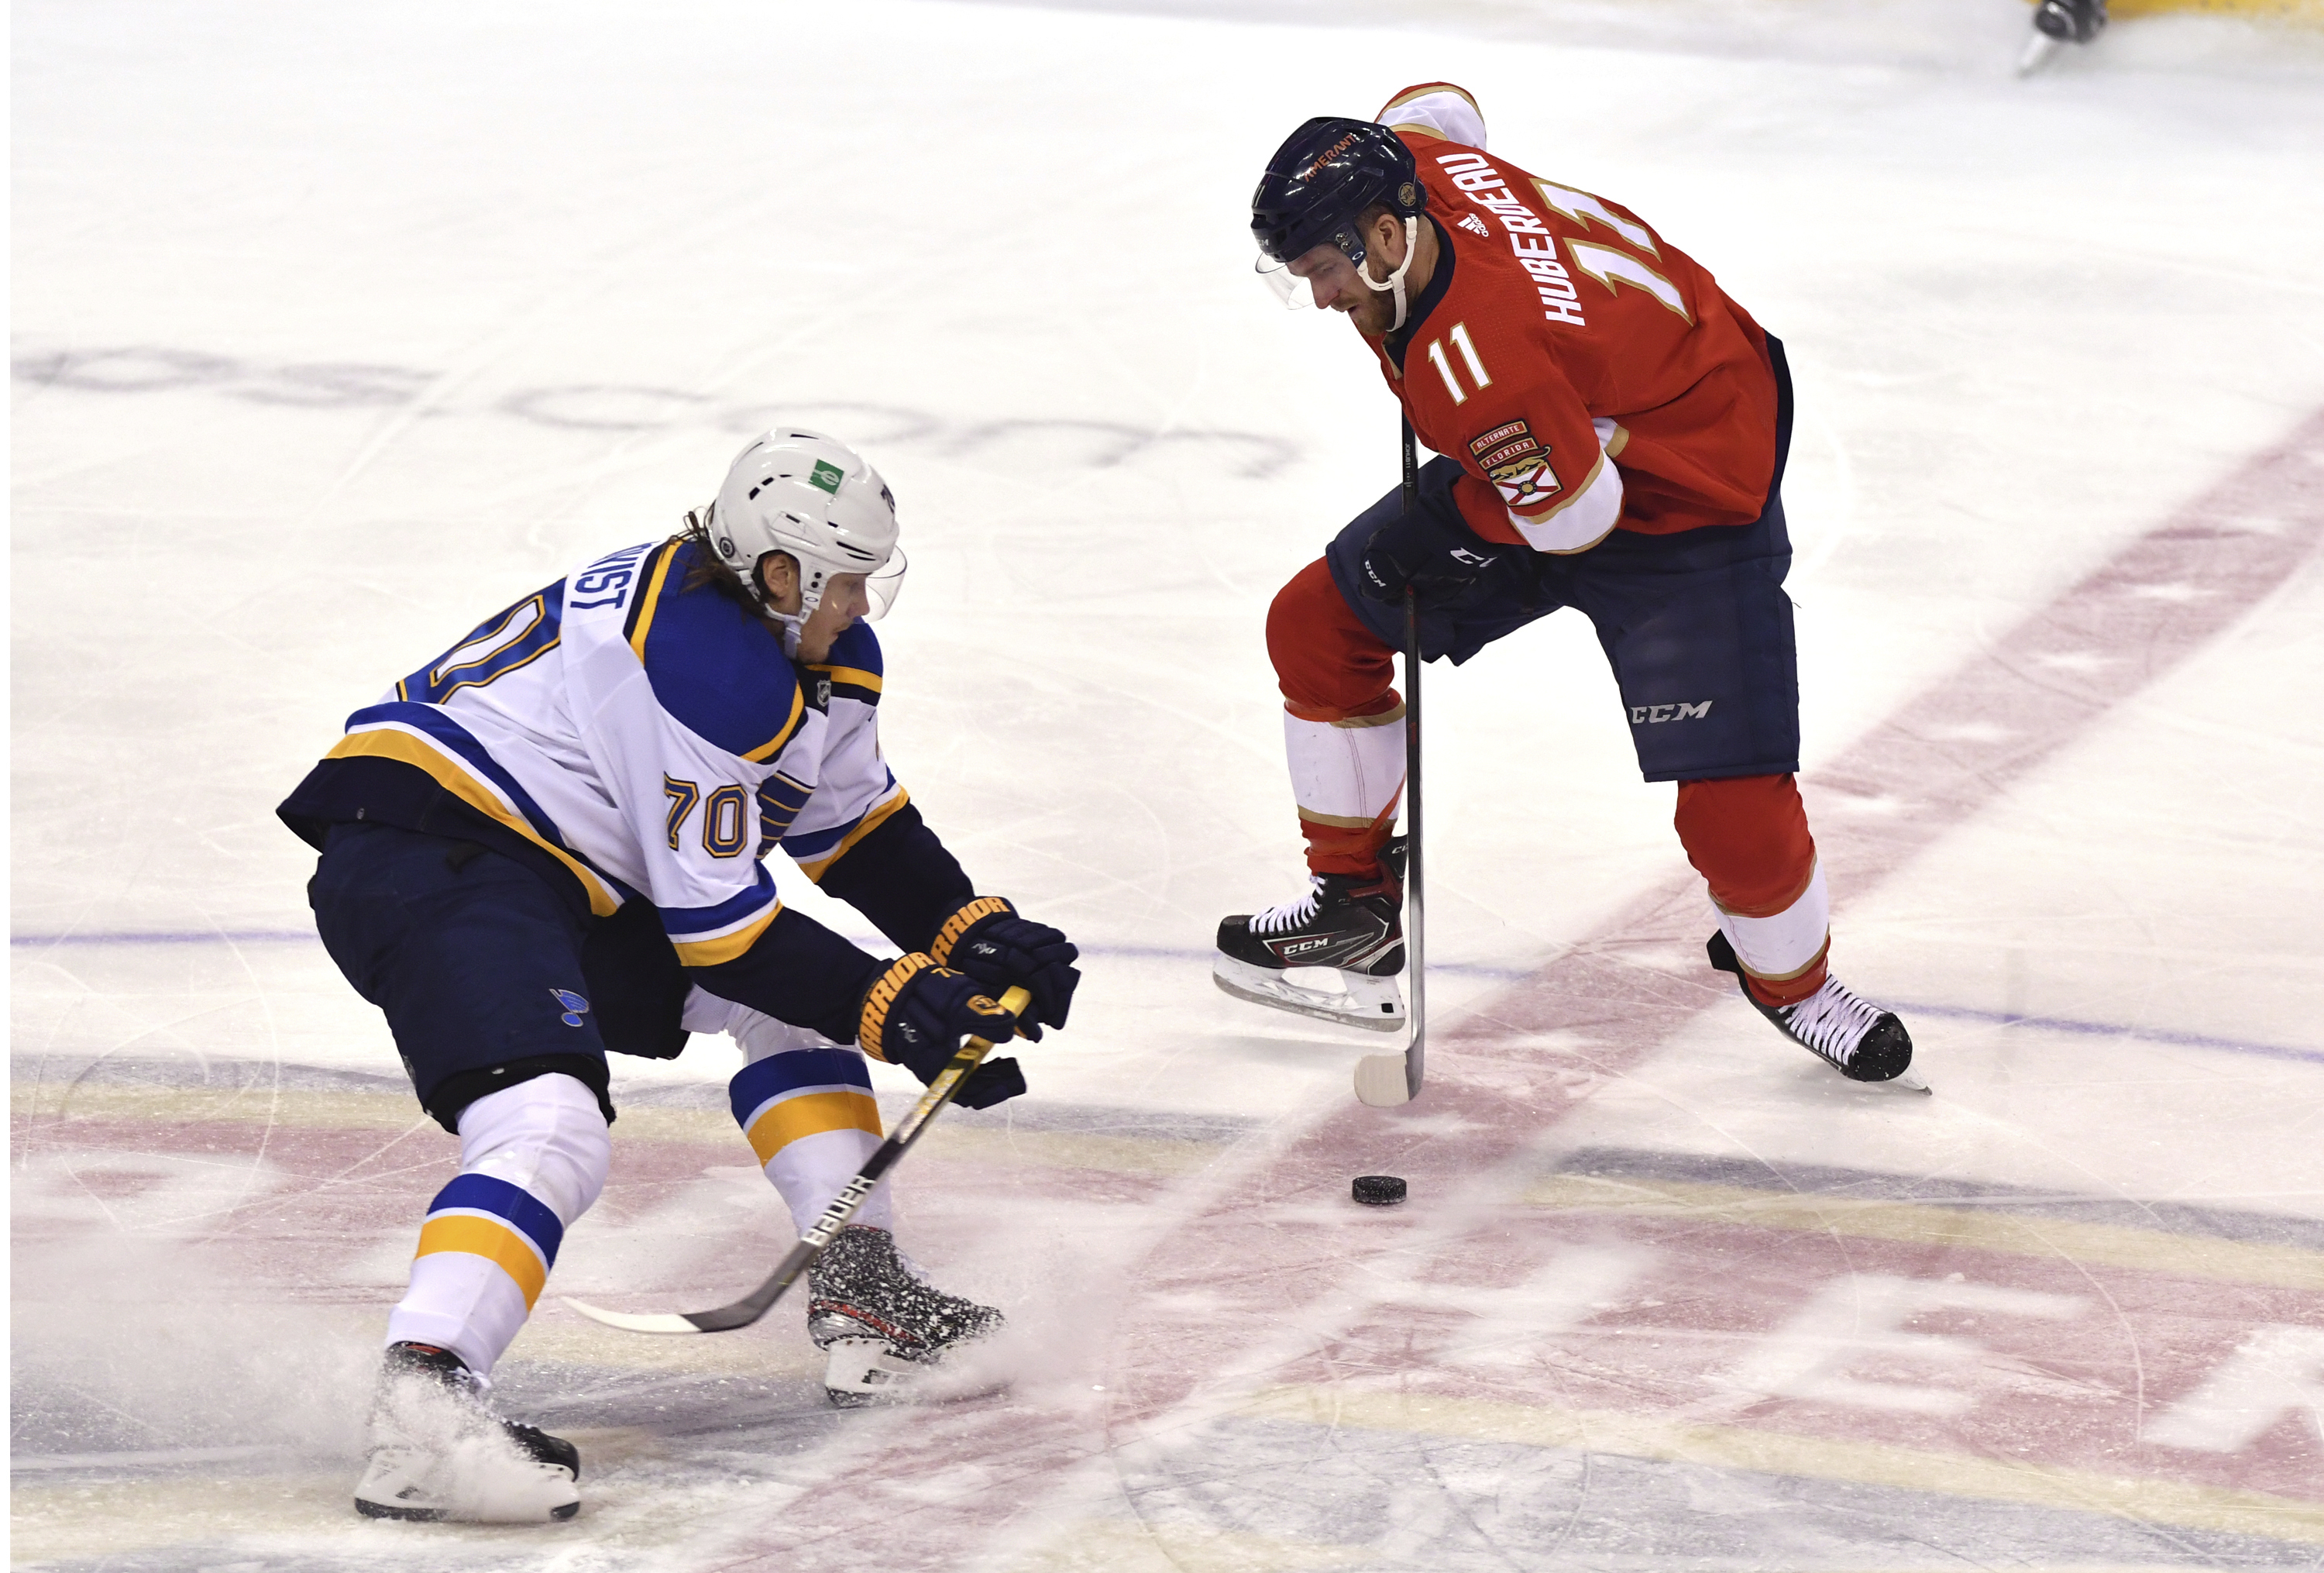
(532, 1159)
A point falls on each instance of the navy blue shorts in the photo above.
(476, 962)
(1696, 625)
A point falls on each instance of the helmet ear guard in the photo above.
(817, 501)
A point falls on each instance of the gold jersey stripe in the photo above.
(388, 743)
(869, 823)
(855, 677)
(667, 555)
(766, 751)
(726, 946)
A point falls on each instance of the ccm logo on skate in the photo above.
(1648, 715)
(1301, 947)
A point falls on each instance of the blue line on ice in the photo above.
(1165, 953)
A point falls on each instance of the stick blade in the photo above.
(1383, 1081)
(631, 1322)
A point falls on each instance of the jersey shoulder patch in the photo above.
(855, 669)
(1517, 464)
(719, 671)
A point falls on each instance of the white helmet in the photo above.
(813, 497)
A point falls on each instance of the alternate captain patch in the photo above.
(1516, 463)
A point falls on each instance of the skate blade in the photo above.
(1373, 1003)
(478, 1481)
(2037, 54)
(860, 1372)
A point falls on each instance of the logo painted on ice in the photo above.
(576, 1007)
(1649, 715)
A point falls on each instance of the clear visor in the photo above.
(1288, 287)
(884, 584)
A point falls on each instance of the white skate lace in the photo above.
(1292, 913)
(1831, 1021)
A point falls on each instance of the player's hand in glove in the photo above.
(989, 942)
(915, 1014)
(1438, 558)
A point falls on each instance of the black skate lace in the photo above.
(1290, 915)
(1831, 1021)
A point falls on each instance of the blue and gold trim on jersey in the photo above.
(712, 935)
(781, 798)
(478, 1215)
(856, 666)
(807, 1092)
(655, 572)
(850, 682)
(717, 669)
(493, 648)
(817, 850)
(431, 742)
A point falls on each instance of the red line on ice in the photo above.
(1279, 1253)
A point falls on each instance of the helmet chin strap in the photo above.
(1396, 279)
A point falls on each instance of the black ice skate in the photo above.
(1859, 1040)
(2057, 22)
(438, 1452)
(885, 1330)
(1352, 924)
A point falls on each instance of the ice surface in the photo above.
(334, 328)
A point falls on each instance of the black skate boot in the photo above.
(884, 1328)
(1859, 1040)
(438, 1452)
(2059, 23)
(2071, 21)
(1348, 922)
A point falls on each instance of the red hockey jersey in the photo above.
(1585, 373)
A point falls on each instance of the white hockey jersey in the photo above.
(654, 742)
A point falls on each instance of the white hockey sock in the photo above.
(532, 1159)
(1784, 944)
(1345, 775)
(805, 1105)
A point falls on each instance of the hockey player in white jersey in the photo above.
(546, 844)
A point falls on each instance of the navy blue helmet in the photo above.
(1320, 181)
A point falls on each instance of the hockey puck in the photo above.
(1378, 1190)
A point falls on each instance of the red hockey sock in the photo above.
(1747, 837)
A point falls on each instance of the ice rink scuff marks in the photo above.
(622, 408)
(1912, 1008)
(1279, 1278)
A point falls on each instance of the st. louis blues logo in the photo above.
(576, 1007)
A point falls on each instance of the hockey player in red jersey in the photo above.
(1612, 429)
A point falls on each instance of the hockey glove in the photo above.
(1438, 558)
(989, 942)
(916, 1016)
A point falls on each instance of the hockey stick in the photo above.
(725, 1318)
(1385, 1080)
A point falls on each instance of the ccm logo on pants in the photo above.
(1647, 714)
